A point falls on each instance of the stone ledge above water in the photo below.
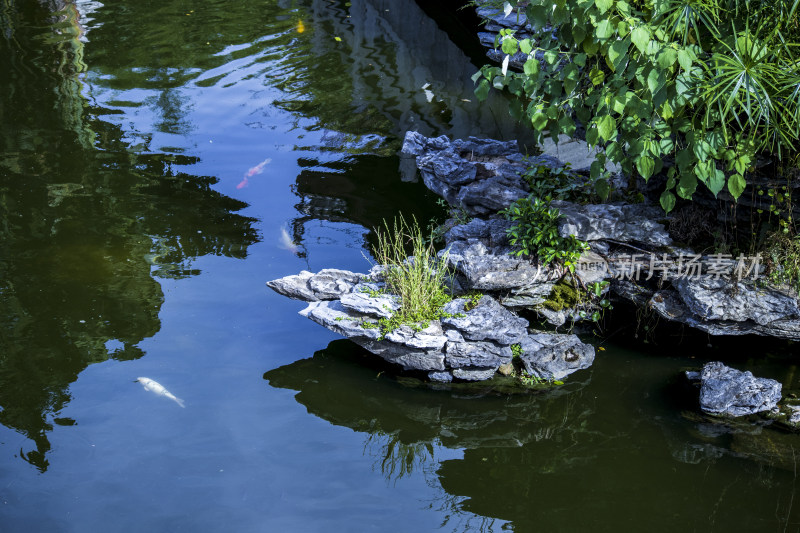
(471, 344)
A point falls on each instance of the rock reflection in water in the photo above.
(406, 420)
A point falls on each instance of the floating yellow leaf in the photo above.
(339, 39)
(301, 27)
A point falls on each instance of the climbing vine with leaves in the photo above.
(699, 87)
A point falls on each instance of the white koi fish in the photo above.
(158, 388)
(287, 243)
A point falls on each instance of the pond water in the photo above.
(159, 161)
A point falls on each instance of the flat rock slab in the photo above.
(730, 392)
(327, 284)
(720, 299)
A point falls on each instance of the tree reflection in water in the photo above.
(88, 221)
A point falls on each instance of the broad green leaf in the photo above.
(604, 30)
(571, 75)
(537, 15)
(716, 181)
(531, 67)
(606, 127)
(702, 149)
(539, 121)
(482, 90)
(736, 185)
(645, 165)
(591, 136)
(667, 201)
(684, 159)
(596, 76)
(578, 33)
(667, 57)
(566, 125)
(602, 189)
(603, 5)
(476, 76)
(580, 60)
(509, 46)
(614, 151)
(640, 37)
(685, 59)
(560, 15)
(551, 56)
(525, 46)
(687, 185)
(590, 46)
(741, 163)
(655, 81)
(618, 52)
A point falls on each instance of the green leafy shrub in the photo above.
(535, 233)
(708, 84)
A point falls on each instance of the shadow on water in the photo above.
(558, 460)
(88, 223)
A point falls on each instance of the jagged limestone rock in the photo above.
(327, 284)
(624, 223)
(730, 392)
(553, 356)
(488, 320)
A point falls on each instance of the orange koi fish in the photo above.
(258, 169)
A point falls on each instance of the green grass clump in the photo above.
(419, 280)
(783, 260)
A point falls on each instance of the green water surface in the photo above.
(133, 243)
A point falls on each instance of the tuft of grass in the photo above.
(418, 280)
(783, 259)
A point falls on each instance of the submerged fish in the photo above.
(252, 171)
(286, 242)
(158, 388)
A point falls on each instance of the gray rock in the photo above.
(381, 306)
(417, 144)
(747, 305)
(408, 358)
(624, 223)
(448, 167)
(555, 356)
(486, 270)
(488, 196)
(530, 296)
(493, 233)
(334, 316)
(295, 287)
(474, 374)
(487, 321)
(730, 392)
(480, 354)
(720, 299)
(332, 283)
(429, 338)
(442, 377)
(476, 147)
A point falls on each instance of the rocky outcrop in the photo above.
(469, 343)
(726, 391)
(629, 245)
